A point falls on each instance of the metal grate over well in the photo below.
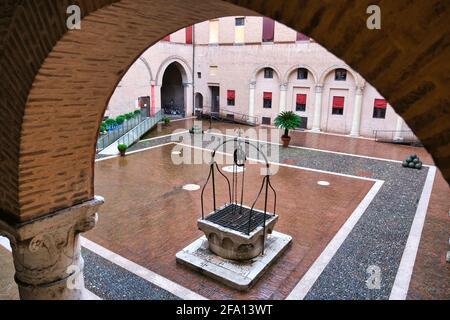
(236, 217)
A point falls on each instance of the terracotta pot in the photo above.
(122, 153)
(286, 140)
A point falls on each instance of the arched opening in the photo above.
(339, 86)
(173, 99)
(37, 182)
(300, 82)
(266, 80)
(198, 100)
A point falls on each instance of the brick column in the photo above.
(46, 252)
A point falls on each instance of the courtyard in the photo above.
(362, 216)
(115, 185)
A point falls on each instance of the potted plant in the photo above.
(120, 119)
(287, 120)
(166, 121)
(122, 149)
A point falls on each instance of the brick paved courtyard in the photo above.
(147, 217)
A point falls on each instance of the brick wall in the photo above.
(55, 84)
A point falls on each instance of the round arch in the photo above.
(293, 68)
(263, 66)
(198, 100)
(147, 65)
(186, 71)
(358, 80)
(36, 180)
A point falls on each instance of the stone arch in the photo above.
(358, 80)
(294, 68)
(186, 71)
(147, 65)
(67, 75)
(260, 67)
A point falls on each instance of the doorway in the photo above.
(215, 98)
(172, 91)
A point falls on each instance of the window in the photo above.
(231, 97)
(213, 31)
(239, 31)
(267, 100)
(266, 121)
(338, 105)
(199, 75)
(212, 70)
(340, 75)
(300, 103)
(302, 37)
(239, 22)
(268, 73)
(268, 30)
(189, 35)
(379, 108)
(302, 74)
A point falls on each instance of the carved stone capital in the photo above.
(319, 88)
(46, 252)
(359, 90)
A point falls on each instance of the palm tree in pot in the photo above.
(287, 120)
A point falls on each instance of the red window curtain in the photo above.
(268, 29)
(338, 102)
(380, 103)
(166, 38)
(189, 35)
(267, 95)
(302, 37)
(301, 98)
(231, 95)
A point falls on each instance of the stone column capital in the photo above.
(252, 84)
(284, 86)
(46, 251)
(359, 90)
(319, 88)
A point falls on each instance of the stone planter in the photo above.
(228, 243)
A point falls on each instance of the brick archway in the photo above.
(56, 83)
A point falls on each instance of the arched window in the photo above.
(302, 74)
(340, 75)
(268, 73)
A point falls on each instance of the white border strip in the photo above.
(181, 119)
(313, 273)
(405, 270)
(313, 149)
(164, 136)
(284, 164)
(256, 160)
(279, 144)
(142, 272)
(135, 151)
